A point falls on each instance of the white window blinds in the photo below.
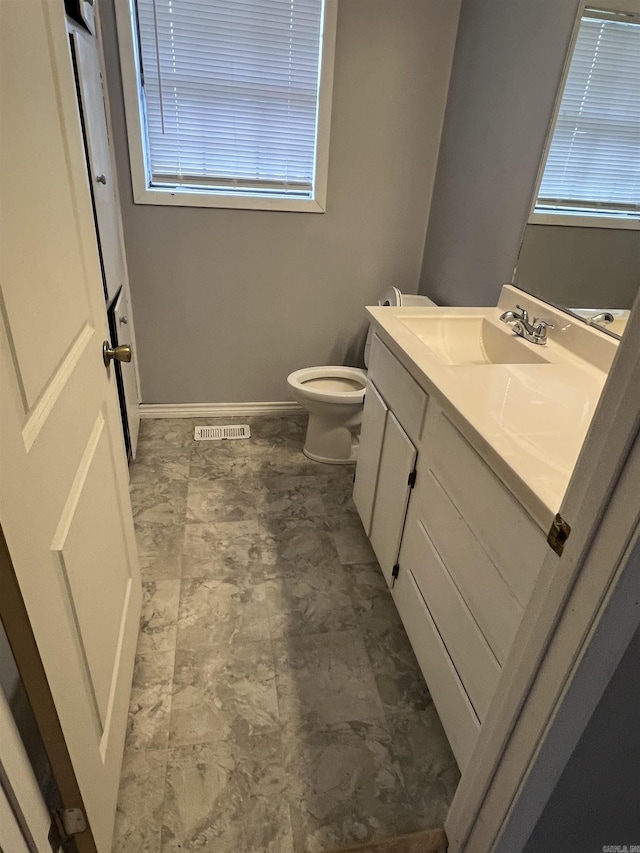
(593, 164)
(231, 93)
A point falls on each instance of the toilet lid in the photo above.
(392, 296)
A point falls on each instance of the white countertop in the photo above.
(528, 421)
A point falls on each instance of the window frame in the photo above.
(582, 218)
(143, 193)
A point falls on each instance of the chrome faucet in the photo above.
(602, 317)
(535, 332)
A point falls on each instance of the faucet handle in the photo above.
(525, 313)
(540, 327)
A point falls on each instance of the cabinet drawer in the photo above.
(476, 664)
(452, 703)
(511, 538)
(400, 391)
(492, 603)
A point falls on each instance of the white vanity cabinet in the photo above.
(392, 422)
(469, 558)
(461, 555)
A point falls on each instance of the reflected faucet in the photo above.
(602, 317)
(535, 332)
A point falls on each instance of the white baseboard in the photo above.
(218, 410)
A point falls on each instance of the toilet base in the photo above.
(327, 461)
(330, 442)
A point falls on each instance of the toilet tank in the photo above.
(395, 298)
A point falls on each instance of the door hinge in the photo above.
(395, 571)
(558, 534)
(412, 478)
(65, 823)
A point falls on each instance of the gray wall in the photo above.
(597, 799)
(507, 68)
(228, 302)
(580, 267)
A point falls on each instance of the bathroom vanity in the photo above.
(468, 441)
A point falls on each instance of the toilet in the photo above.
(334, 397)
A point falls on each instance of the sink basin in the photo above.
(471, 340)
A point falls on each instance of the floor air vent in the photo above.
(217, 433)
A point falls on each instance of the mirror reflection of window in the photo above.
(581, 247)
(593, 163)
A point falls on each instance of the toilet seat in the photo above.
(329, 384)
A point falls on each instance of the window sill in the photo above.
(577, 220)
(193, 198)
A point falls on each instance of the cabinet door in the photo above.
(397, 461)
(369, 452)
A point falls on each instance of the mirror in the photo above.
(581, 247)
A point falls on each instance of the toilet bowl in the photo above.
(334, 398)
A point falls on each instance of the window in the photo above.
(593, 163)
(228, 101)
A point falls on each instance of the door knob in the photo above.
(101, 179)
(121, 353)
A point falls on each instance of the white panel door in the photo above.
(371, 436)
(64, 504)
(11, 837)
(106, 199)
(397, 461)
(103, 181)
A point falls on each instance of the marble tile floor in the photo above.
(277, 706)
